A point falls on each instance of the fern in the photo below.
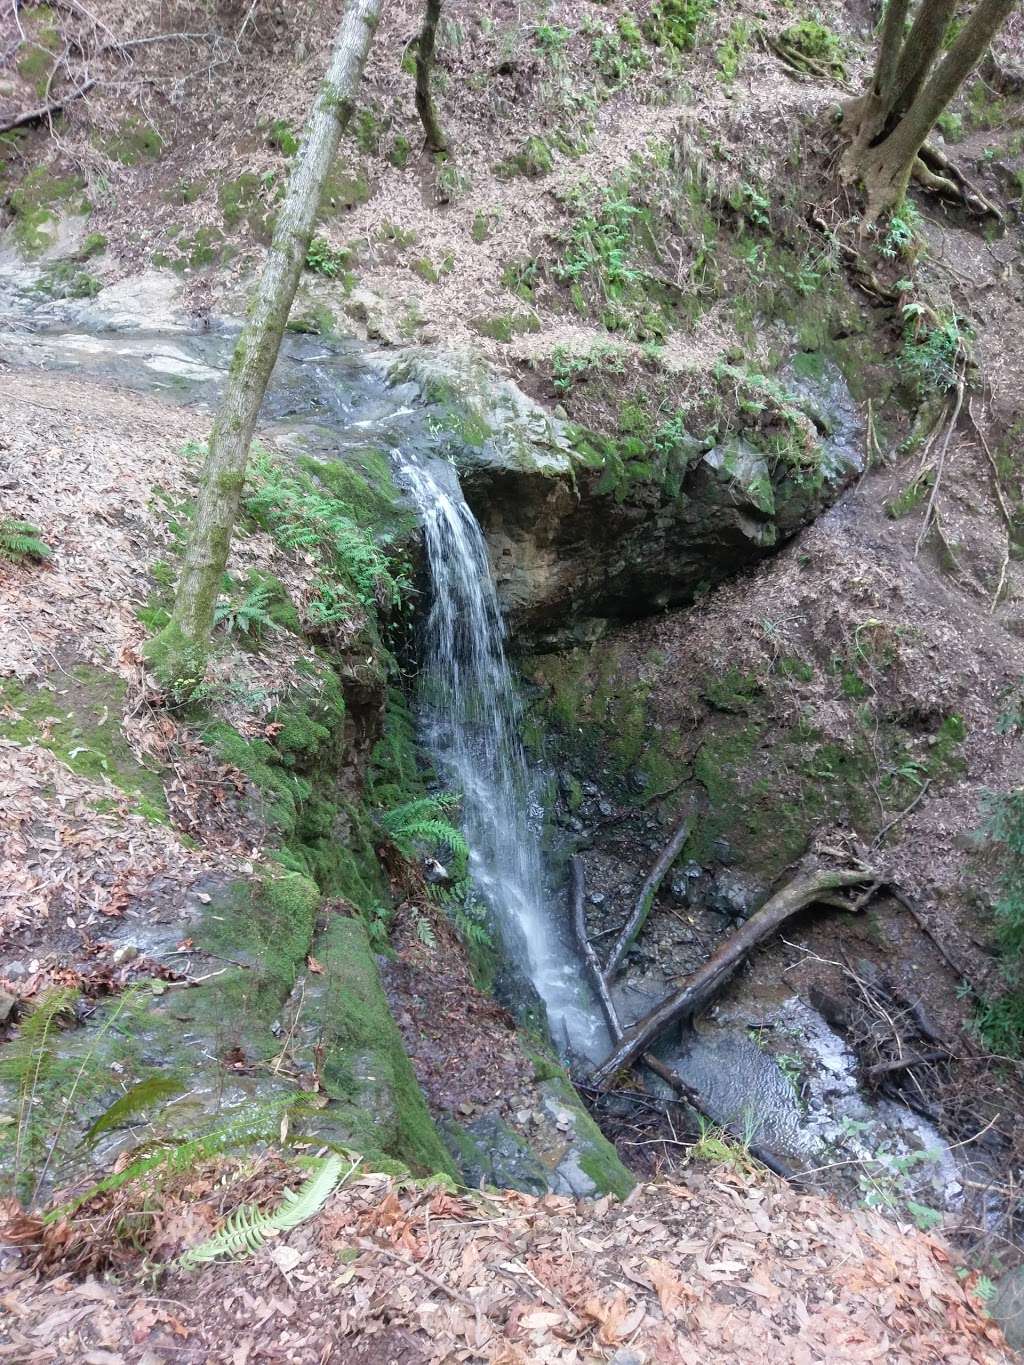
(246, 1230)
(27, 1062)
(171, 1157)
(134, 1101)
(20, 540)
(250, 616)
(423, 822)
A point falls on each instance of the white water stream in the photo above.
(472, 717)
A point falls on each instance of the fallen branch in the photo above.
(46, 110)
(590, 960)
(648, 892)
(707, 981)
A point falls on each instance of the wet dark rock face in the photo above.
(575, 541)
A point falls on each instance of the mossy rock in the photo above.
(365, 1070)
(344, 189)
(77, 718)
(37, 203)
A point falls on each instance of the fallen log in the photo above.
(704, 984)
(686, 1092)
(648, 891)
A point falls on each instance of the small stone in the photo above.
(466, 1108)
(8, 1004)
(625, 1355)
(597, 898)
(606, 808)
(125, 953)
(15, 969)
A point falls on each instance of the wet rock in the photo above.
(735, 895)
(597, 898)
(8, 1004)
(1007, 1308)
(489, 1152)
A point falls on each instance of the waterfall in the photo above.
(472, 718)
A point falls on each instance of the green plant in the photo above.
(932, 352)
(331, 262)
(902, 234)
(20, 540)
(424, 821)
(301, 515)
(249, 616)
(247, 1229)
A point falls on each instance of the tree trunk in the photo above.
(178, 654)
(436, 140)
(707, 981)
(889, 124)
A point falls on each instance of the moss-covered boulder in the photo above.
(582, 525)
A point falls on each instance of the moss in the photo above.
(343, 190)
(400, 152)
(317, 320)
(808, 39)
(242, 204)
(134, 142)
(732, 690)
(281, 136)
(364, 481)
(505, 326)
(95, 244)
(481, 228)
(532, 160)
(36, 203)
(263, 928)
(64, 280)
(596, 1156)
(365, 1069)
(79, 722)
(37, 56)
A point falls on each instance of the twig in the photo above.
(375, 1250)
(891, 824)
(597, 977)
(648, 891)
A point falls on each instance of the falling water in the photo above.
(472, 719)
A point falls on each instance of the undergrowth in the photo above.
(1000, 1019)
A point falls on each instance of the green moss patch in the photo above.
(36, 204)
(134, 142)
(365, 1069)
(79, 721)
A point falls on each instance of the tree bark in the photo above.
(178, 654)
(648, 892)
(436, 140)
(889, 124)
(707, 981)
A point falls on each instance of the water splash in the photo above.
(472, 719)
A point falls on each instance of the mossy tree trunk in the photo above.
(178, 654)
(911, 86)
(436, 140)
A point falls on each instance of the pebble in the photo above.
(125, 953)
(597, 898)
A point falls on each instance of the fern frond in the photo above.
(246, 1230)
(21, 540)
(140, 1097)
(422, 822)
(29, 1057)
(173, 1157)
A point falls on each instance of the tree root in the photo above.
(935, 171)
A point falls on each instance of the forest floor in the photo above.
(718, 1264)
(720, 1261)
